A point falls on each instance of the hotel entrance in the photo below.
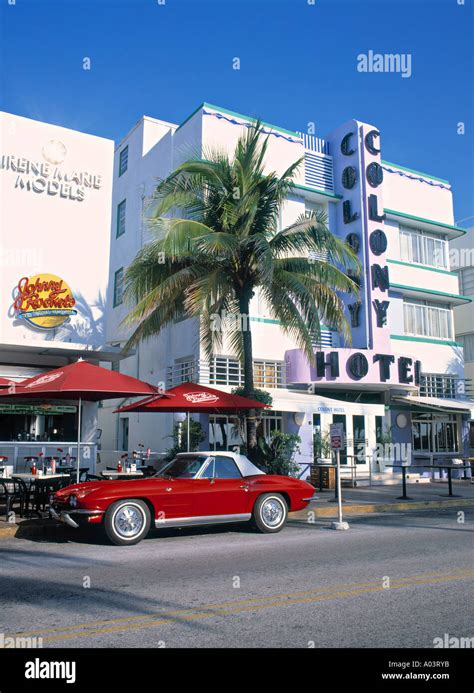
(437, 433)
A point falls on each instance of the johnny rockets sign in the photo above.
(44, 301)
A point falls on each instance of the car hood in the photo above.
(108, 488)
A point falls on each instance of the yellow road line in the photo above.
(236, 606)
(125, 619)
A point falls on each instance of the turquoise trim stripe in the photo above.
(267, 320)
(238, 115)
(434, 292)
(428, 340)
(271, 321)
(412, 170)
(190, 116)
(425, 221)
(251, 120)
(316, 190)
(424, 267)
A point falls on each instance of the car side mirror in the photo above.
(212, 480)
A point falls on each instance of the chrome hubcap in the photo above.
(128, 521)
(272, 512)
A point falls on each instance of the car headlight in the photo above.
(73, 501)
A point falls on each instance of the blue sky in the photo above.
(298, 65)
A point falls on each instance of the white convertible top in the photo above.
(246, 467)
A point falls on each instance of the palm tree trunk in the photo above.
(249, 389)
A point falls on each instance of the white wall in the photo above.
(412, 196)
(46, 233)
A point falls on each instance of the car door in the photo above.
(174, 499)
(221, 490)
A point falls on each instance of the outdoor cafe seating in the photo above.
(31, 493)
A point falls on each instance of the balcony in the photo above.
(227, 372)
(445, 386)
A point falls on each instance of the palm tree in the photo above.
(214, 222)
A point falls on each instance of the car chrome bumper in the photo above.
(65, 515)
(308, 500)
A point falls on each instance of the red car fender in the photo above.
(295, 491)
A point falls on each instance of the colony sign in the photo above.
(49, 177)
(44, 301)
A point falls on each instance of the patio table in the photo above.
(33, 477)
(35, 485)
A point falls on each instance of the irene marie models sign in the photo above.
(44, 301)
(49, 177)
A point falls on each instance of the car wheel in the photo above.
(270, 513)
(127, 522)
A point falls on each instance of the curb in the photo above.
(370, 508)
(31, 529)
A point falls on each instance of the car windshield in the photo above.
(183, 467)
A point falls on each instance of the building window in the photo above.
(268, 374)
(436, 385)
(467, 342)
(121, 209)
(123, 160)
(184, 371)
(270, 422)
(118, 287)
(435, 433)
(225, 371)
(427, 319)
(225, 433)
(360, 440)
(466, 281)
(423, 248)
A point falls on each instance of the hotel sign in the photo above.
(49, 177)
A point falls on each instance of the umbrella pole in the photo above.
(189, 433)
(78, 439)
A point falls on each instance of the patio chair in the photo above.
(93, 477)
(44, 488)
(148, 471)
(14, 490)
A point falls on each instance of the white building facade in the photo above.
(402, 378)
(55, 207)
(462, 262)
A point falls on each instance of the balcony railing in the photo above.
(446, 387)
(225, 371)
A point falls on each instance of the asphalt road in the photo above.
(390, 581)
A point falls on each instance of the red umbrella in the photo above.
(80, 381)
(189, 397)
(4, 382)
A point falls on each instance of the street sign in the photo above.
(336, 433)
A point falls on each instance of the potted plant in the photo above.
(322, 446)
(277, 456)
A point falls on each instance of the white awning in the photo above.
(451, 406)
(291, 401)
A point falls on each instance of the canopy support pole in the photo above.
(78, 439)
(189, 433)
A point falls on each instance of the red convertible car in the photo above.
(198, 488)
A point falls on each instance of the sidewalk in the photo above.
(383, 499)
(356, 501)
